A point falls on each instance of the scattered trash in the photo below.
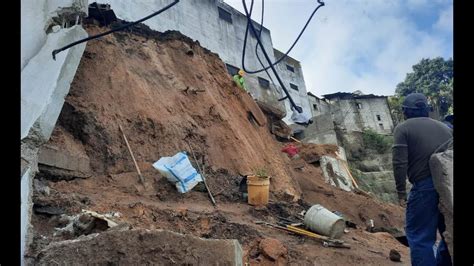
(178, 169)
(323, 221)
(348, 223)
(395, 255)
(110, 223)
(290, 149)
(84, 223)
(326, 241)
(370, 226)
(243, 188)
(351, 224)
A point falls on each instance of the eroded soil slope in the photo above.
(166, 91)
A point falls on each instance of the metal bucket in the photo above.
(322, 221)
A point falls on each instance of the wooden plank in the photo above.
(269, 109)
(252, 106)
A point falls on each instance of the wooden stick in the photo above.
(203, 177)
(295, 139)
(347, 169)
(133, 157)
(349, 172)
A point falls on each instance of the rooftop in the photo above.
(350, 95)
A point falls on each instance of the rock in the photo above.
(139, 247)
(47, 209)
(395, 255)
(272, 248)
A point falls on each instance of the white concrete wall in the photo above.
(45, 82)
(373, 107)
(323, 107)
(199, 20)
(346, 114)
(44, 85)
(35, 18)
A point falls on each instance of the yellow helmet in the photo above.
(241, 72)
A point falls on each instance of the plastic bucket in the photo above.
(322, 221)
(257, 189)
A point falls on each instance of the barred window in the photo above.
(225, 15)
(263, 83)
(293, 86)
(290, 68)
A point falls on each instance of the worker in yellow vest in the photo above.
(240, 81)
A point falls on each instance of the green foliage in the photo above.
(261, 172)
(375, 141)
(434, 78)
(395, 104)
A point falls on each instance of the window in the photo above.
(225, 15)
(378, 118)
(381, 126)
(293, 86)
(263, 83)
(257, 29)
(359, 105)
(232, 69)
(315, 106)
(290, 68)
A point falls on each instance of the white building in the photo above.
(355, 112)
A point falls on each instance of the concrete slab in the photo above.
(53, 156)
(335, 173)
(142, 247)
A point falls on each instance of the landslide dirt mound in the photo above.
(166, 91)
(311, 152)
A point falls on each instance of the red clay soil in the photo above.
(140, 82)
(311, 152)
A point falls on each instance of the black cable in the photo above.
(256, 45)
(55, 52)
(249, 22)
(287, 52)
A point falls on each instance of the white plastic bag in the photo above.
(178, 169)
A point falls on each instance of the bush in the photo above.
(375, 141)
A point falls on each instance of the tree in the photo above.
(434, 78)
(395, 104)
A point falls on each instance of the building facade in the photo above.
(356, 112)
(291, 73)
(319, 106)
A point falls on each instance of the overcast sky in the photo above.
(367, 45)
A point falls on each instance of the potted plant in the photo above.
(258, 187)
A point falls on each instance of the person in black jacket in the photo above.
(415, 140)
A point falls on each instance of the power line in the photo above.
(287, 52)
